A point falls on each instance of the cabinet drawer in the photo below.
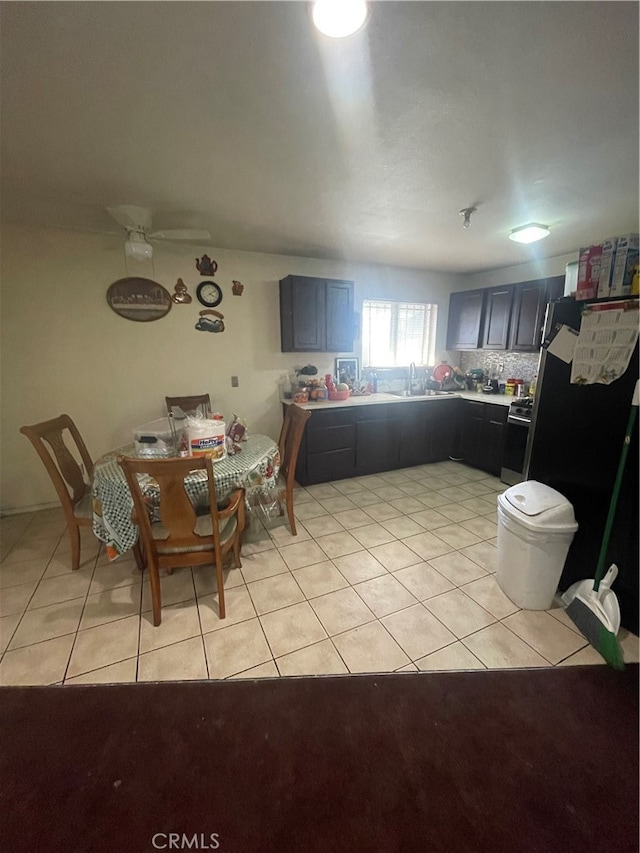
(335, 465)
(328, 418)
(331, 438)
(496, 413)
(381, 412)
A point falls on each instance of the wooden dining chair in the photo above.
(181, 537)
(189, 404)
(53, 441)
(289, 446)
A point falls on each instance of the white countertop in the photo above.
(376, 399)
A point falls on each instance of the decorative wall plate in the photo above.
(139, 299)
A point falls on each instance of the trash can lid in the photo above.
(538, 507)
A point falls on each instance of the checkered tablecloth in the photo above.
(255, 468)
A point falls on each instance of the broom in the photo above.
(585, 610)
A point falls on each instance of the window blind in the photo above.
(396, 333)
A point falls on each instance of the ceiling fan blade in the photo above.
(131, 217)
(192, 235)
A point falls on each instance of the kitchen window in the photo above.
(397, 333)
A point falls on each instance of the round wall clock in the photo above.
(209, 294)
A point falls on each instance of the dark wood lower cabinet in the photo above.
(350, 442)
(328, 448)
(482, 435)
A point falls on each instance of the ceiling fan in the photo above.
(136, 221)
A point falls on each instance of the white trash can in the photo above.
(536, 525)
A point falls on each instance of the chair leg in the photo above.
(156, 598)
(74, 534)
(137, 553)
(221, 607)
(237, 543)
(292, 520)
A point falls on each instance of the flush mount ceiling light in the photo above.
(529, 233)
(339, 18)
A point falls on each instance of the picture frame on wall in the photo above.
(347, 370)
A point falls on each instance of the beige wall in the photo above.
(543, 268)
(64, 350)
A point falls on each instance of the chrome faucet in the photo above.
(412, 377)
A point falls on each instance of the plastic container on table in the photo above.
(154, 440)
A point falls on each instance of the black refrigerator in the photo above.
(574, 446)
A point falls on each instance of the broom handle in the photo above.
(614, 497)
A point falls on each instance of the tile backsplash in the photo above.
(520, 365)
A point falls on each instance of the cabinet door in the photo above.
(529, 306)
(308, 314)
(465, 319)
(302, 314)
(471, 431)
(497, 317)
(442, 427)
(339, 316)
(528, 316)
(414, 434)
(377, 445)
(493, 437)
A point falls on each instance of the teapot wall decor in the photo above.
(206, 266)
(237, 288)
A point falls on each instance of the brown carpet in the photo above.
(526, 760)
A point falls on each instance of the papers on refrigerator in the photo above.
(608, 335)
(563, 343)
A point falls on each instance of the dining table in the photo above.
(254, 468)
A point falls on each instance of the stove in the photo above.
(518, 423)
(520, 410)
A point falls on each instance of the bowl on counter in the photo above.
(339, 395)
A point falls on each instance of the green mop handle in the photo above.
(616, 489)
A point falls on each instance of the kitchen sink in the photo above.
(424, 396)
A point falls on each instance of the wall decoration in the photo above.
(209, 294)
(139, 299)
(204, 324)
(237, 288)
(206, 266)
(181, 296)
(347, 370)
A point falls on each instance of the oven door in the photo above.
(515, 445)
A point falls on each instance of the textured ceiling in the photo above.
(241, 119)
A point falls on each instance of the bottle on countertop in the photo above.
(374, 382)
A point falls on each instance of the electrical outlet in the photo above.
(501, 367)
(234, 381)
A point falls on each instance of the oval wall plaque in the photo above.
(139, 299)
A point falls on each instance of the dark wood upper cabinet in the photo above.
(465, 319)
(316, 314)
(499, 318)
(499, 301)
(529, 305)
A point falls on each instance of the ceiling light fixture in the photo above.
(136, 247)
(339, 18)
(529, 233)
(466, 212)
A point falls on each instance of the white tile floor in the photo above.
(393, 572)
